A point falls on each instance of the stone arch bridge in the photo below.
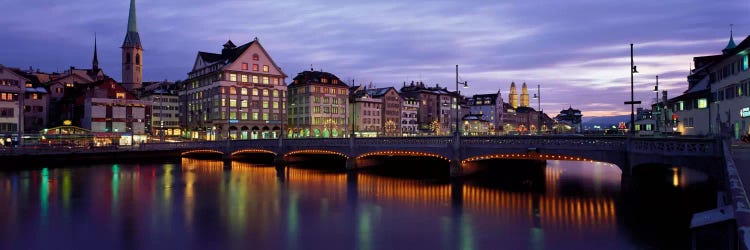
(627, 153)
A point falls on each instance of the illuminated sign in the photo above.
(234, 121)
(745, 112)
(67, 123)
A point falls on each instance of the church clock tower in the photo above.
(132, 54)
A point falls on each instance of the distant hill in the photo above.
(605, 120)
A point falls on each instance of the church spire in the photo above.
(132, 25)
(731, 43)
(95, 62)
(132, 39)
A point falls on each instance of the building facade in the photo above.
(11, 90)
(366, 113)
(319, 105)
(409, 122)
(112, 113)
(435, 112)
(490, 108)
(238, 94)
(569, 121)
(391, 104)
(164, 119)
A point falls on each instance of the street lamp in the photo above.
(458, 108)
(655, 113)
(538, 98)
(632, 102)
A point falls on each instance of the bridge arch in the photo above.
(527, 156)
(253, 151)
(201, 152)
(315, 152)
(402, 153)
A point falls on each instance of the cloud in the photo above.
(577, 50)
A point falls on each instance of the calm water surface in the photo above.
(202, 204)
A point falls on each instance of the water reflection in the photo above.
(204, 204)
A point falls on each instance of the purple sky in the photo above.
(577, 50)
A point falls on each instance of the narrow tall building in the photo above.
(513, 95)
(524, 95)
(132, 54)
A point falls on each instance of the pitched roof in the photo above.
(132, 39)
(378, 92)
(311, 76)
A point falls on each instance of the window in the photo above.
(244, 66)
(324, 80)
(243, 91)
(255, 116)
(244, 78)
(316, 99)
(120, 95)
(265, 68)
(265, 80)
(265, 104)
(232, 103)
(316, 109)
(275, 93)
(255, 67)
(244, 103)
(265, 92)
(255, 91)
(233, 77)
(58, 90)
(244, 116)
(265, 117)
(745, 63)
(681, 106)
(256, 57)
(275, 81)
(275, 105)
(255, 79)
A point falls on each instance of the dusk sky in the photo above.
(577, 50)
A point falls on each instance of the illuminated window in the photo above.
(681, 105)
(244, 103)
(255, 91)
(265, 80)
(233, 77)
(255, 79)
(744, 63)
(335, 81)
(323, 80)
(255, 116)
(232, 103)
(232, 91)
(243, 91)
(265, 92)
(244, 66)
(265, 104)
(256, 57)
(275, 105)
(275, 81)
(233, 115)
(265, 117)
(120, 95)
(275, 93)
(265, 68)
(244, 116)
(255, 67)
(244, 78)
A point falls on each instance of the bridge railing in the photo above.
(423, 141)
(676, 146)
(548, 141)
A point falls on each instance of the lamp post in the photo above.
(458, 108)
(655, 113)
(632, 102)
(538, 97)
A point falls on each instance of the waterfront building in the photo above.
(11, 89)
(476, 125)
(391, 112)
(366, 112)
(35, 104)
(132, 54)
(237, 94)
(163, 121)
(645, 124)
(112, 113)
(319, 105)
(435, 112)
(569, 121)
(718, 96)
(490, 108)
(409, 107)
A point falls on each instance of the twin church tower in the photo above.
(513, 96)
(132, 54)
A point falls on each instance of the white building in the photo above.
(163, 121)
(366, 112)
(409, 123)
(113, 114)
(11, 88)
(489, 107)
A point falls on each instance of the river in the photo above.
(203, 204)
